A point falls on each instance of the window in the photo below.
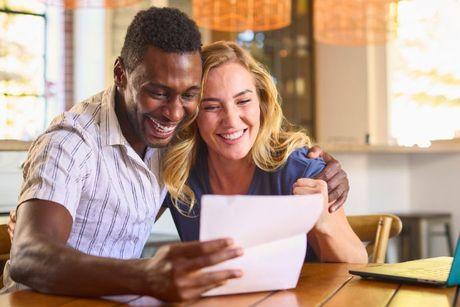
(425, 72)
(27, 93)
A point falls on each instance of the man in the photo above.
(91, 182)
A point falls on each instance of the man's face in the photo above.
(161, 93)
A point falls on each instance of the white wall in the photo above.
(89, 53)
(351, 94)
(341, 93)
(379, 183)
(404, 183)
(435, 181)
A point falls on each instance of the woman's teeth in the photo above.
(162, 128)
(232, 136)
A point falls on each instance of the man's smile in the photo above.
(157, 128)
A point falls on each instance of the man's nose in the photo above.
(174, 110)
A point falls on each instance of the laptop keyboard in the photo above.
(430, 269)
(435, 273)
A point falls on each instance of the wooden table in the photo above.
(319, 285)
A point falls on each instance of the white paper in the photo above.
(271, 229)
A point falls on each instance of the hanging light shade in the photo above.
(355, 22)
(74, 4)
(233, 15)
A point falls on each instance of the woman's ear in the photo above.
(119, 73)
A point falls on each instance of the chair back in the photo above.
(376, 230)
(5, 246)
(5, 243)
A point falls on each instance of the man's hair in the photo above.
(165, 28)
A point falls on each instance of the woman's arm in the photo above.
(332, 238)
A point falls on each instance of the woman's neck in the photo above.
(228, 177)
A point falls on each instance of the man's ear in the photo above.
(119, 73)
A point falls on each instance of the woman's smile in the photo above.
(232, 137)
(229, 116)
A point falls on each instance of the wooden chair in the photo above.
(376, 230)
(5, 246)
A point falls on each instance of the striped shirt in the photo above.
(84, 163)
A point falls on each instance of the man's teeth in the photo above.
(232, 136)
(162, 128)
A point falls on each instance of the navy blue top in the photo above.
(278, 182)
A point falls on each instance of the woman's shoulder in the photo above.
(281, 180)
(302, 166)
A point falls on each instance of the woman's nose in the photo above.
(231, 116)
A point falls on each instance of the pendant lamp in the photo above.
(74, 4)
(235, 16)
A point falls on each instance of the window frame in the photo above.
(21, 145)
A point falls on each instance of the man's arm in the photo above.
(335, 177)
(41, 260)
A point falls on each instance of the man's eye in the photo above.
(158, 95)
(189, 96)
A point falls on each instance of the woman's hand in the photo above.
(332, 238)
(307, 186)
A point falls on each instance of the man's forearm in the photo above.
(58, 269)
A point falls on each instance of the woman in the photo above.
(239, 144)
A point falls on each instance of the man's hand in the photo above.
(11, 223)
(335, 177)
(175, 272)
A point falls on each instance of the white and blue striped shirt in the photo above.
(84, 162)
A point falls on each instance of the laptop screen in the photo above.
(454, 275)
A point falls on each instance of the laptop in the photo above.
(438, 271)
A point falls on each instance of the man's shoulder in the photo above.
(83, 115)
(75, 126)
(81, 121)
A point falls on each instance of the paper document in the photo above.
(271, 229)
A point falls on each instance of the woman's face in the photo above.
(229, 114)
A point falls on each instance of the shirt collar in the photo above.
(110, 127)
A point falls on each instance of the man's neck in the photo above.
(127, 129)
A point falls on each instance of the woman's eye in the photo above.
(210, 108)
(244, 101)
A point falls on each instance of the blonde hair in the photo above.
(274, 142)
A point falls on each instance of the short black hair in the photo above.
(165, 28)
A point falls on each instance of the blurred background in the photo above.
(375, 82)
